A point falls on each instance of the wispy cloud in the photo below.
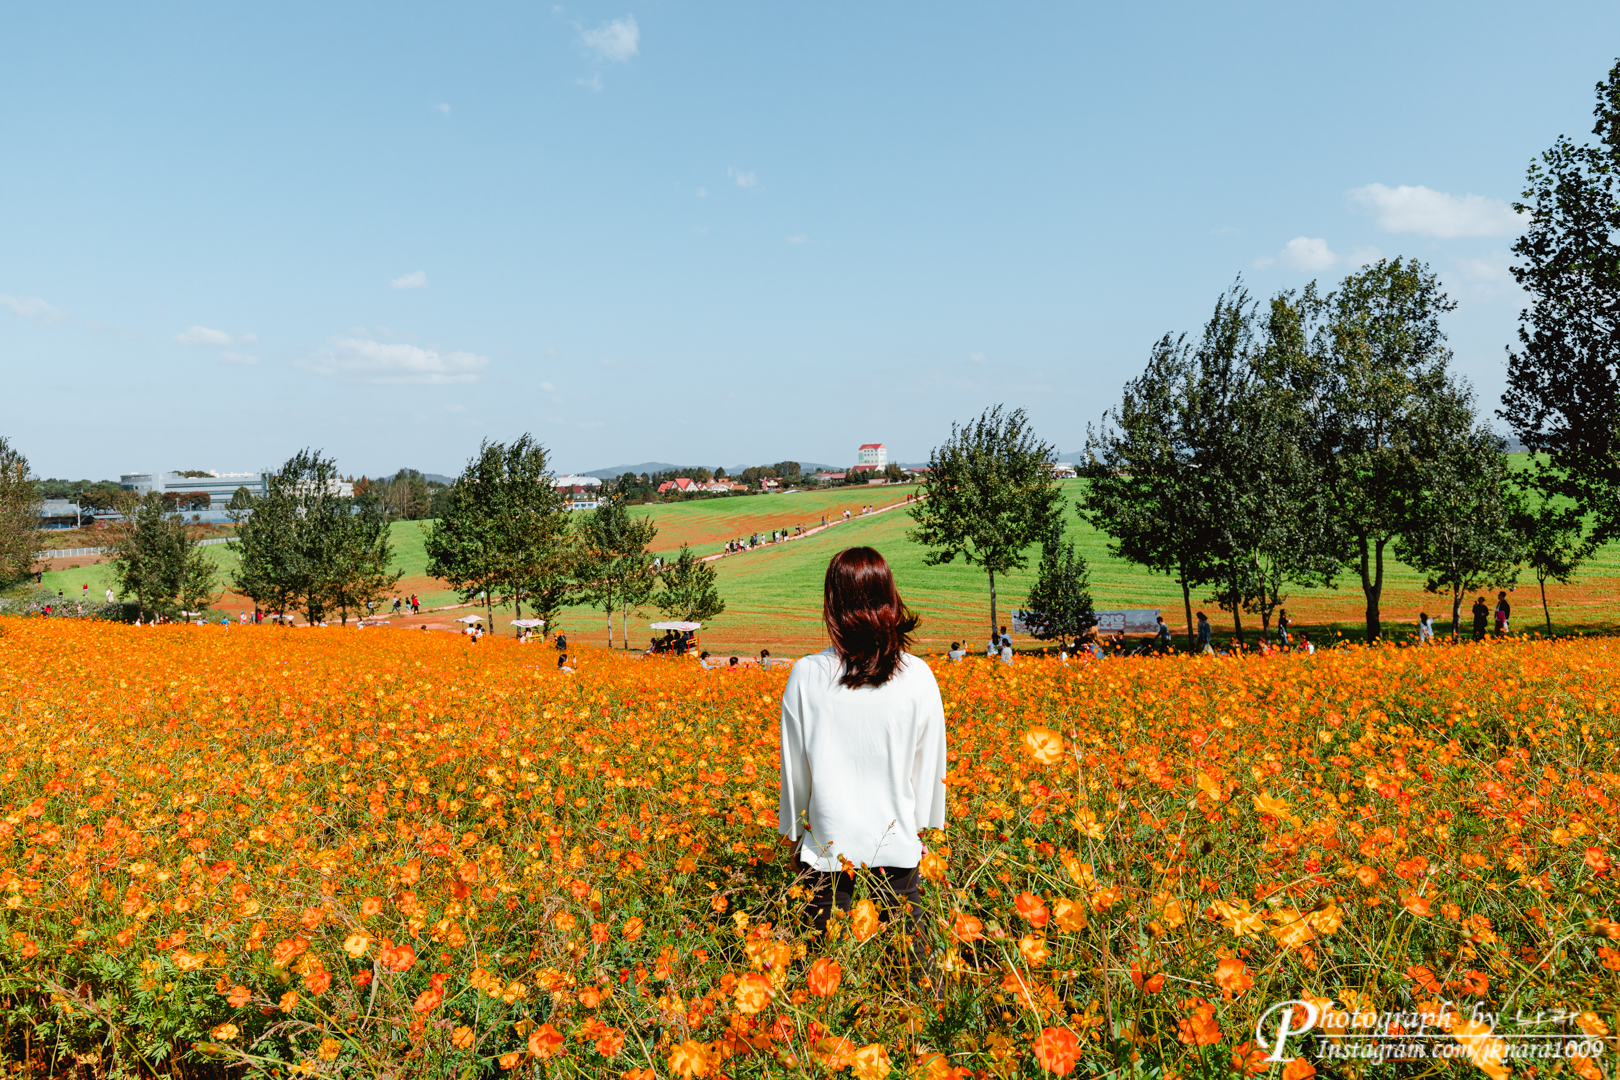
(238, 358)
(32, 307)
(1301, 253)
(1426, 212)
(593, 83)
(418, 280)
(744, 179)
(798, 238)
(618, 40)
(1487, 278)
(380, 363)
(703, 193)
(202, 335)
(441, 107)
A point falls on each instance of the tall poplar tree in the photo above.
(1563, 395)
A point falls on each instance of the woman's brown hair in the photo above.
(866, 620)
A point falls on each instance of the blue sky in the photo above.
(715, 233)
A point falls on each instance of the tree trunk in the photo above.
(609, 606)
(1186, 601)
(1372, 582)
(1545, 610)
(995, 627)
(1237, 612)
(1456, 611)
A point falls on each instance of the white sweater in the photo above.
(864, 767)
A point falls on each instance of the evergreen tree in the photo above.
(1059, 605)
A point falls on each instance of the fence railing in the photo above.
(86, 552)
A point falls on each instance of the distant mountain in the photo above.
(439, 478)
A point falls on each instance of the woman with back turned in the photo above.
(863, 743)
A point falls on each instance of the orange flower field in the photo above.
(254, 851)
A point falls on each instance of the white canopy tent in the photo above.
(471, 618)
(528, 623)
(681, 626)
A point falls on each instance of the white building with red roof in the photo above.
(872, 455)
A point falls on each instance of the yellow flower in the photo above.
(1264, 803)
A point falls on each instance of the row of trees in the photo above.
(1291, 444)
(1307, 439)
(506, 536)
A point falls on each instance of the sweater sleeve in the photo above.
(795, 771)
(928, 767)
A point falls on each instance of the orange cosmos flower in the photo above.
(1044, 745)
(1068, 914)
(631, 928)
(1199, 1027)
(689, 1058)
(823, 977)
(966, 928)
(863, 920)
(462, 1037)
(1056, 1050)
(1033, 949)
(1032, 909)
(872, 1062)
(1232, 976)
(752, 993)
(545, 1041)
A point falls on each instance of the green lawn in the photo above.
(773, 595)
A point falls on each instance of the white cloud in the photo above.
(455, 408)
(744, 179)
(32, 307)
(977, 357)
(703, 193)
(417, 280)
(798, 238)
(1363, 256)
(592, 83)
(202, 335)
(443, 108)
(1301, 253)
(548, 388)
(238, 358)
(360, 360)
(617, 40)
(1426, 212)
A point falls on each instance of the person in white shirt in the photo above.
(1425, 628)
(957, 652)
(863, 744)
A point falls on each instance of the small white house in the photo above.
(872, 455)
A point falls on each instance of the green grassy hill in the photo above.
(773, 595)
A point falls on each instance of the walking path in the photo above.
(816, 529)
